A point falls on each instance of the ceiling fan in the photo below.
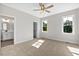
(43, 8)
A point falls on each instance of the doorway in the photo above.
(34, 29)
(7, 31)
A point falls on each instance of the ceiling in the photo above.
(29, 8)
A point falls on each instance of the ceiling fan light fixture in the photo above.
(43, 8)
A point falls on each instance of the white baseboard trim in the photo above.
(61, 40)
(21, 41)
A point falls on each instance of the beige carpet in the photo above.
(48, 48)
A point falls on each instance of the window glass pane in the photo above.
(65, 19)
(4, 26)
(70, 18)
(44, 25)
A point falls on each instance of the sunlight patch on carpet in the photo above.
(38, 43)
(74, 51)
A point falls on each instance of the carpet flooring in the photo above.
(47, 48)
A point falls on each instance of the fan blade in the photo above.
(49, 6)
(47, 11)
(37, 9)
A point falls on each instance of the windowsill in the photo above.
(69, 33)
(44, 31)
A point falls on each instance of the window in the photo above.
(44, 27)
(5, 25)
(68, 26)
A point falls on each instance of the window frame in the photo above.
(72, 24)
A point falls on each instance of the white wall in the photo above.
(55, 27)
(23, 24)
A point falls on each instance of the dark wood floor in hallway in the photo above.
(7, 42)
